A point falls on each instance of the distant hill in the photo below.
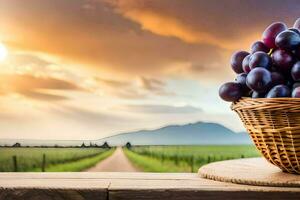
(199, 133)
(190, 134)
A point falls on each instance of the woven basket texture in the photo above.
(274, 126)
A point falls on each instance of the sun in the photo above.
(3, 52)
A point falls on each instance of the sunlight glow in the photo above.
(3, 52)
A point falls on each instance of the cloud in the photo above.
(42, 96)
(102, 39)
(155, 86)
(169, 26)
(139, 88)
(151, 84)
(113, 83)
(130, 38)
(82, 115)
(118, 88)
(162, 109)
(224, 24)
(4, 117)
(35, 87)
(23, 60)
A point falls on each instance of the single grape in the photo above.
(260, 59)
(288, 40)
(296, 92)
(295, 85)
(236, 61)
(241, 79)
(257, 95)
(277, 78)
(230, 91)
(297, 24)
(279, 91)
(271, 32)
(283, 60)
(259, 46)
(259, 79)
(295, 72)
(245, 64)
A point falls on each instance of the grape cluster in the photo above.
(271, 69)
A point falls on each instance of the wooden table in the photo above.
(131, 186)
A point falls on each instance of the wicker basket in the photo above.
(274, 126)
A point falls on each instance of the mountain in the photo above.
(199, 133)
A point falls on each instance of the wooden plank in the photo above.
(55, 183)
(113, 185)
(196, 185)
(198, 195)
(99, 175)
(48, 194)
(53, 189)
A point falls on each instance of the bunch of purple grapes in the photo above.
(271, 69)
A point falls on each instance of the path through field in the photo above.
(117, 162)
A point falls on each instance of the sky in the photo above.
(87, 69)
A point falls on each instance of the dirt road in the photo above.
(117, 162)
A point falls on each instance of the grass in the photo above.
(185, 158)
(148, 164)
(30, 159)
(79, 165)
(226, 151)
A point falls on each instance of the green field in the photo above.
(146, 158)
(56, 159)
(185, 158)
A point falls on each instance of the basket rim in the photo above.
(266, 103)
